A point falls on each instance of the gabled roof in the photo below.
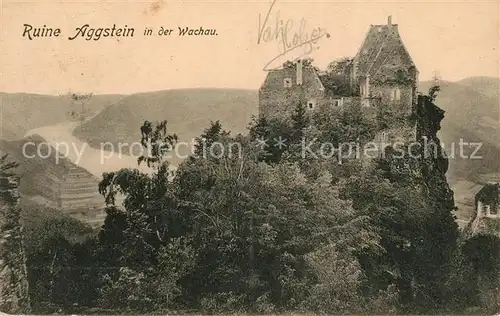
(382, 43)
(275, 77)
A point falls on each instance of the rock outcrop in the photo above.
(14, 297)
(434, 164)
(425, 163)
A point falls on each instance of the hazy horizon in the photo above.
(197, 88)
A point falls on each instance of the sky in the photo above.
(456, 39)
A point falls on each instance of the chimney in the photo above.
(389, 20)
(298, 66)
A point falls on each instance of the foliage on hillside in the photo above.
(261, 228)
(57, 249)
(336, 78)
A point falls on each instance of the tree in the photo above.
(264, 134)
(8, 179)
(256, 223)
(482, 255)
(82, 98)
(207, 139)
(340, 66)
(435, 88)
(418, 232)
(138, 234)
(338, 77)
(433, 91)
(300, 121)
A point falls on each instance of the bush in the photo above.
(223, 303)
(338, 288)
(482, 253)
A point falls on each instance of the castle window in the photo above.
(487, 210)
(287, 82)
(396, 94)
(383, 144)
(311, 104)
(493, 211)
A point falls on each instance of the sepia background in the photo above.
(456, 38)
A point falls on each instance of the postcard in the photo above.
(249, 157)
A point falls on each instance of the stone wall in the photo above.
(486, 219)
(276, 101)
(384, 92)
(483, 223)
(14, 296)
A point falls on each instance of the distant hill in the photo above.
(21, 112)
(188, 112)
(463, 102)
(488, 86)
(469, 113)
(464, 167)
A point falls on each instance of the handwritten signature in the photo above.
(287, 38)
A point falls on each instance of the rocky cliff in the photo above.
(13, 273)
(425, 162)
(434, 164)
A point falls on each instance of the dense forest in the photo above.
(267, 231)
